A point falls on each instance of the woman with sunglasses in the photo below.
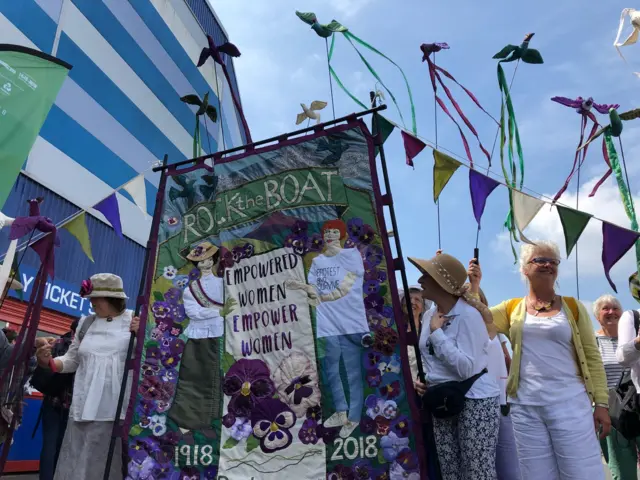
(557, 385)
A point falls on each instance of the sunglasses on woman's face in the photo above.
(540, 261)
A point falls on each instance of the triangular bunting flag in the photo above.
(138, 191)
(78, 228)
(525, 208)
(384, 127)
(443, 169)
(573, 224)
(109, 208)
(412, 146)
(480, 187)
(616, 241)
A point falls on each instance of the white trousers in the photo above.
(557, 442)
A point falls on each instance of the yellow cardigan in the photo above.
(584, 340)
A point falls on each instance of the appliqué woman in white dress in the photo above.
(198, 400)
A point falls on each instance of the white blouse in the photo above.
(98, 363)
(205, 322)
(458, 350)
(627, 353)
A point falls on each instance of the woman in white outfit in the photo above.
(454, 345)
(97, 355)
(557, 386)
(198, 400)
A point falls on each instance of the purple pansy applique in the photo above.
(247, 383)
(271, 420)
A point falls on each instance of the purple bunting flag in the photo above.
(616, 241)
(480, 187)
(412, 147)
(109, 208)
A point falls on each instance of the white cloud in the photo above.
(349, 8)
(607, 205)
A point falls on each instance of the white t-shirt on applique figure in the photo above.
(347, 314)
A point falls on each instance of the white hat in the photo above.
(103, 285)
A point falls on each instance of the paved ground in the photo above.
(35, 477)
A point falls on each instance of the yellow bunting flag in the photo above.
(443, 168)
(78, 228)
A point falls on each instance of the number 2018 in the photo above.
(200, 455)
(352, 448)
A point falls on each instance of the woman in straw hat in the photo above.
(557, 385)
(197, 403)
(97, 355)
(454, 345)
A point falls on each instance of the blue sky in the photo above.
(283, 64)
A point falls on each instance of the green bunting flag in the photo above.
(573, 224)
(383, 126)
(29, 83)
(443, 169)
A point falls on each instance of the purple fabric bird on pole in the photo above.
(434, 72)
(213, 51)
(584, 108)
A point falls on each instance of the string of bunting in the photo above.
(616, 240)
(76, 224)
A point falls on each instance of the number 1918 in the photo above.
(198, 456)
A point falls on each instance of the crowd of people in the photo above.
(541, 415)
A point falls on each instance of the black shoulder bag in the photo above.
(624, 401)
(447, 399)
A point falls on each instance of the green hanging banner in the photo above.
(573, 224)
(29, 83)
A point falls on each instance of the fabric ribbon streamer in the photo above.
(583, 107)
(434, 74)
(634, 19)
(511, 53)
(328, 30)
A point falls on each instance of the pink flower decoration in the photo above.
(86, 288)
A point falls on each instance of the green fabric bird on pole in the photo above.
(204, 109)
(327, 31)
(512, 53)
(324, 31)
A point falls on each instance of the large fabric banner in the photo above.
(272, 346)
(29, 83)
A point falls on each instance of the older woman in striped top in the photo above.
(619, 452)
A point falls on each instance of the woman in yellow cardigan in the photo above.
(557, 385)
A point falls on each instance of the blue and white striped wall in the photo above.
(120, 110)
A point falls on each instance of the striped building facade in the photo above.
(118, 113)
